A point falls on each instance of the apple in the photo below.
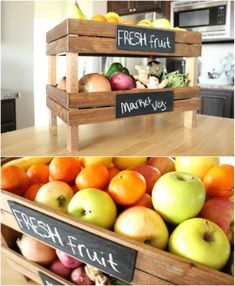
(79, 277)
(145, 201)
(201, 241)
(221, 212)
(55, 194)
(123, 163)
(68, 261)
(150, 174)
(178, 196)
(163, 164)
(91, 160)
(195, 165)
(142, 224)
(94, 206)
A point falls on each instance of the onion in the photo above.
(36, 251)
(94, 82)
(67, 260)
(58, 268)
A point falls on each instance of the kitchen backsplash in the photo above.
(218, 61)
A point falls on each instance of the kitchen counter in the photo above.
(161, 135)
(217, 86)
(9, 94)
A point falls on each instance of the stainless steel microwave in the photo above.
(214, 19)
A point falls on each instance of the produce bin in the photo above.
(75, 38)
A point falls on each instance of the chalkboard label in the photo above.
(144, 39)
(110, 257)
(133, 104)
(47, 280)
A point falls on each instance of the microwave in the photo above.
(214, 19)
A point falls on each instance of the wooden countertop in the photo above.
(158, 135)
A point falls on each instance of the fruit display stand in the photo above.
(75, 38)
(142, 264)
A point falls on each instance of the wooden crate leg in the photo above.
(72, 138)
(190, 119)
(52, 123)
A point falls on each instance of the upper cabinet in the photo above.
(133, 7)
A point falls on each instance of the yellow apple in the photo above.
(142, 224)
(123, 163)
(91, 160)
(195, 165)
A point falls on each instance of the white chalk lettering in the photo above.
(159, 105)
(112, 263)
(93, 256)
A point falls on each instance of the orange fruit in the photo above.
(38, 173)
(31, 192)
(64, 169)
(99, 18)
(127, 187)
(92, 176)
(14, 179)
(219, 181)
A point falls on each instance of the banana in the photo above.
(26, 162)
(77, 12)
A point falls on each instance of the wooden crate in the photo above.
(27, 268)
(152, 266)
(74, 38)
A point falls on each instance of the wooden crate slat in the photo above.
(101, 29)
(58, 110)
(96, 99)
(86, 45)
(161, 264)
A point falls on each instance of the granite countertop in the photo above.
(9, 94)
(217, 86)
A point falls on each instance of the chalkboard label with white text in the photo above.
(110, 257)
(47, 280)
(133, 104)
(144, 39)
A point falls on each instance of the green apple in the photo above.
(201, 241)
(178, 196)
(94, 206)
(142, 224)
(55, 195)
(195, 165)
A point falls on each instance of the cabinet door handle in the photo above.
(134, 9)
(130, 10)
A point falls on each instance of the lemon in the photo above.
(112, 15)
(161, 23)
(145, 23)
(179, 29)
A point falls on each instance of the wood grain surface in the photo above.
(153, 135)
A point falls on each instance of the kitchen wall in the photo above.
(17, 56)
(212, 58)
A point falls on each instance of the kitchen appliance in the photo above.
(214, 19)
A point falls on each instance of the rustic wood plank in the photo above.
(52, 70)
(96, 99)
(151, 260)
(191, 68)
(101, 29)
(72, 137)
(52, 122)
(86, 45)
(71, 72)
(58, 110)
(190, 119)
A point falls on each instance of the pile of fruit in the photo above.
(62, 264)
(113, 17)
(183, 205)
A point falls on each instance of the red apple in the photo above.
(145, 201)
(79, 277)
(150, 174)
(163, 164)
(221, 212)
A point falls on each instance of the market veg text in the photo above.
(53, 237)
